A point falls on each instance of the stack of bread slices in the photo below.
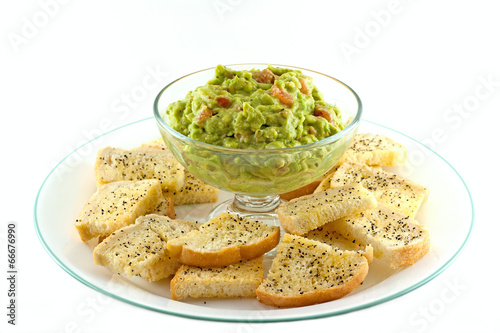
(333, 228)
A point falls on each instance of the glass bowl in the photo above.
(258, 176)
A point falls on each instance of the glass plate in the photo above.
(448, 214)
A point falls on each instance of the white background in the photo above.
(71, 70)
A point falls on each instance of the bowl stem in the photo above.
(250, 204)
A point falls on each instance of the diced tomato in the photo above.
(323, 114)
(312, 130)
(283, 96)
(264, 76)
(304, 88)
(204, 115)
(223, 101)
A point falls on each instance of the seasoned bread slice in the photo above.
(306, 272)
(134, 250)
(116, 205)
(303, 214)
(168, 228)
(390, 189)
(145, 162)
(224, 240)
(374, 149)
(165, 207)
(396, 239)
(309, 188)
(194, 191)
(236, 280)
(326, 182)
(327, 234)
(159, 143)
(140, 250)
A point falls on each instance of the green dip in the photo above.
(257, 109)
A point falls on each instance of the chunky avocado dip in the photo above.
(257, 109)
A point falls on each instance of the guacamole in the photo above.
(257, 109)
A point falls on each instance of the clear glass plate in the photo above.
(448, 214)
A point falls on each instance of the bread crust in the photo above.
(170, 208)
(227, 256)
(315, 297)
(220, 258)
(304, 190)
(255, 250)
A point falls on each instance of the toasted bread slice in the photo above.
(326, 182)
(396, 239)
(134, 250)
(374, 149)
(168, 228)
(327, 234)
(145, 162)
(194, 191)
(303, 214)
(236, 280)
(224, 240)
(309, 188)
(116, 205)
(389, 189)
(304, 190)
(139, 249)
(306, 272)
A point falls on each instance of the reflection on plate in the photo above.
(448, 214)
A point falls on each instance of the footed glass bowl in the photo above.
(258, 176)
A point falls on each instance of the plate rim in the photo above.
(390, 297)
